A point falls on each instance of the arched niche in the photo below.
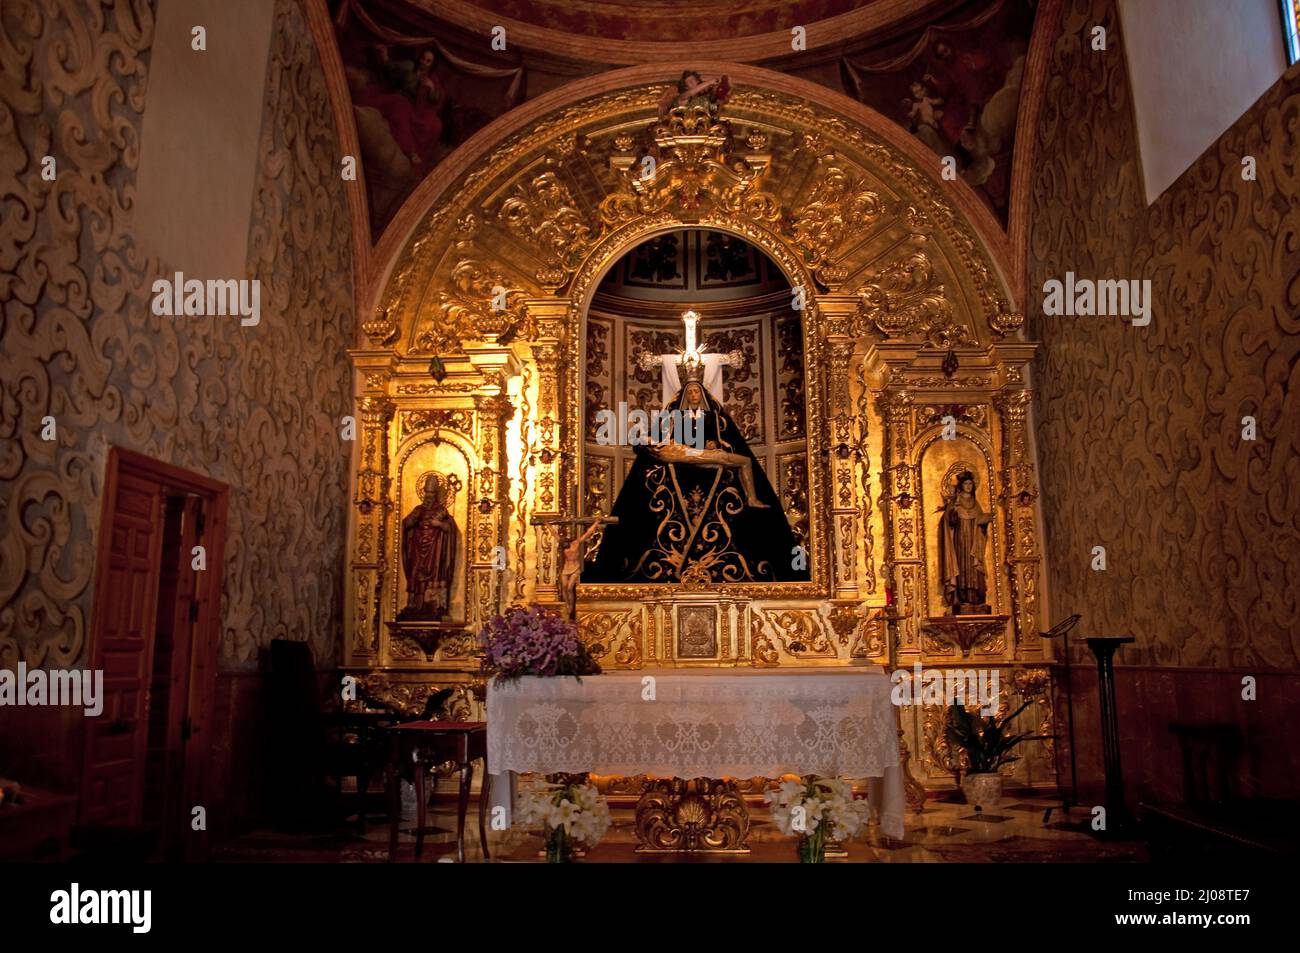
(939, 460)
(450, 455)
(748, 315)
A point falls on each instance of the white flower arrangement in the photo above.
(568, 812)
(817, 810)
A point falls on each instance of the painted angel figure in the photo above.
(693, 90)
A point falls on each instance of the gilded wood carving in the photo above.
(496, 282)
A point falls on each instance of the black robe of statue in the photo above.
(672, 516)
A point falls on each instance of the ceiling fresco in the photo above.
(668, 20)
(423, 77)
(955, 85)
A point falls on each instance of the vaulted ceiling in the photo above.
(948, 71)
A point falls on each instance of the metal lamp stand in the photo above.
(1118, 817)
(1062, 631)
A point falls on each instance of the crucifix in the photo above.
(571, 549)
(694, 353)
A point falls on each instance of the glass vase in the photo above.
(559, 847)
(812, 847)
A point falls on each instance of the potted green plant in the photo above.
(988, 747)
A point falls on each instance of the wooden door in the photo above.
(126, 605)
(169, 697)
(154, 632)
(204, 524)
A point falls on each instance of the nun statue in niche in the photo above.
(963, 540)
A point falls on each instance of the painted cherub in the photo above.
(920, 107)
(693, 89)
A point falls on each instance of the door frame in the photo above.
(206, 632)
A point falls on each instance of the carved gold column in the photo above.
(865, 500)
(483, 512)
(549, 495)
(1019, 494)
(489, 487)
(841, 443)
(369, 562)
(901, 510)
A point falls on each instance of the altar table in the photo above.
(701, 723)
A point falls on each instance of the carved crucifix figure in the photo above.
(571, 565)
(571, 550)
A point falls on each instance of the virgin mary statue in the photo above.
(701, 509)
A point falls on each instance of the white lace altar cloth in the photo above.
(702, 723)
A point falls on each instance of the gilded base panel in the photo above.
(703, 815)
(913, 790)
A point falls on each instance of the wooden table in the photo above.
(364, 759)
(426, 744)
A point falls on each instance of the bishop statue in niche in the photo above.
(963, 541)
(430, 541)
(696, 504)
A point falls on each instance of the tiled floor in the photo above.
(944, 832)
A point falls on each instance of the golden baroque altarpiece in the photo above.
(474, 368)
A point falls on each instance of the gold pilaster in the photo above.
(1019, 495)
(369, 562)
(904, 570)
(556, 455)
(842, 449)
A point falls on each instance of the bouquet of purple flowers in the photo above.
(533, 641)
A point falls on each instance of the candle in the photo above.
(690, 319)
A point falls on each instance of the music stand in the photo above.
(1062, 630)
